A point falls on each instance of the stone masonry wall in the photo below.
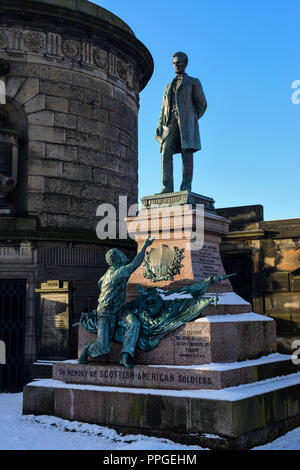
(80, 98)
(82, 143)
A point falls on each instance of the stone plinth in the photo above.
(211, 376)
(220, 338)
(217, 375)
(188, 227)
(178, 198)
(241, 417)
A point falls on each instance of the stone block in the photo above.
(56, 203)
(101, 115)
(128, 141)
(78, 108)
(45, 167)
(77, 172)
(65, 120)
(211, 376)
(242, 216)
(36, 150)
(120, 181)
(295, 282)
(287, 302)
(47, 134)
(118, 150)
(208, 339)
(91, 126)
(82, 208)
(38, 401)
(287, 323)
(131, 156)
(60, 105)
(47, 203)
(13, 84)
(67, 221)
(42, 118)
(125, 120)
(100, 86)
(92, 158)
(28, 90)
(42, 71)
(36, 183)
(38, 103)
(97, 192)
(62, 152)
(93, 97)
(61, 186)
(63, 90)
(126, 99)
(85, 140)
(112, 104)
(241, 417)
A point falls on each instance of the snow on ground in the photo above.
(18, 432)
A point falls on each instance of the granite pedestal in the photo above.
(216, 381)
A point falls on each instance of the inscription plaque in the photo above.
(141, 376)
(207, 261)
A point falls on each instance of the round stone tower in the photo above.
(70, 92)
(76, 71)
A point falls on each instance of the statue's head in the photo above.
(180, 61)
(116, 258)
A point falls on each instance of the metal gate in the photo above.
(12, 315)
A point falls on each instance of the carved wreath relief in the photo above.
(35, 41)
(100, 58)
(71, 48)
(163, 263)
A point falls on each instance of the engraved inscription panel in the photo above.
(191, 347)
(207, 261)
(139, 376)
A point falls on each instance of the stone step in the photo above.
(214, 338)
(210, 376)
(240, 417)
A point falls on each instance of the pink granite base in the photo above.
(208, 339)
(214, 376)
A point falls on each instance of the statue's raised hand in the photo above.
(148, 241)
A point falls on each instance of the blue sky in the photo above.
(246, 55)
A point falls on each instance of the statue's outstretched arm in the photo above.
(137, 261)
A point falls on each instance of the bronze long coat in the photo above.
(191, 104)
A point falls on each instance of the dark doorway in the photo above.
(12, 316)
(241, 264)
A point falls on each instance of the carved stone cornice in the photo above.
(49, 29)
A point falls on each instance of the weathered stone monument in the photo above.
(214, 379)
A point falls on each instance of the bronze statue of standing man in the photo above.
(178, 131)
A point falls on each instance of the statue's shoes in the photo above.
(126, 361)
(184, 187)
(84, 355)
(166, 190)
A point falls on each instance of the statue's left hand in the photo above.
(149, 241)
